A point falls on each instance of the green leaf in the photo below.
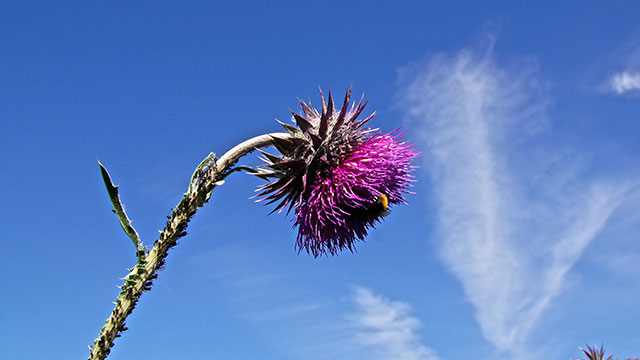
(208, 161)
(125, 223)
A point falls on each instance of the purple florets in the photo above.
(339, 178)
(339, 208)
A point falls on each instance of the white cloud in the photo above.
(304, 322)
(625, 82)
(386, 328)
(512, 226)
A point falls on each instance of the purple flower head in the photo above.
(340, 177)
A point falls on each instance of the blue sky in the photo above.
(520, 242)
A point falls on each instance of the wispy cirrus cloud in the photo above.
(386, 329)
(302, 322)
(514, 217)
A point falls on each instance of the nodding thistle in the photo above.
(339, 176)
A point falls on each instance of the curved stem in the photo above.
(142, 275)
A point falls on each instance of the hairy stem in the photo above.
(143, 273)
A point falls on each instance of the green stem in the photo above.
(142, 275)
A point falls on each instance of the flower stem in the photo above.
(144, 272)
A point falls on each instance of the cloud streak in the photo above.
(302, 322)
(508, 234)
(386, 328)
(625, 82)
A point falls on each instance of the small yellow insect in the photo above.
(384, 201)
(380, 207)
(377, 209)
(374, 210)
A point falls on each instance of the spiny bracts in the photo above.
(335, 173)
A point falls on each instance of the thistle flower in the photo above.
(339, 176)
(593, 353)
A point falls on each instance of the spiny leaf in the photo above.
(125, 223)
